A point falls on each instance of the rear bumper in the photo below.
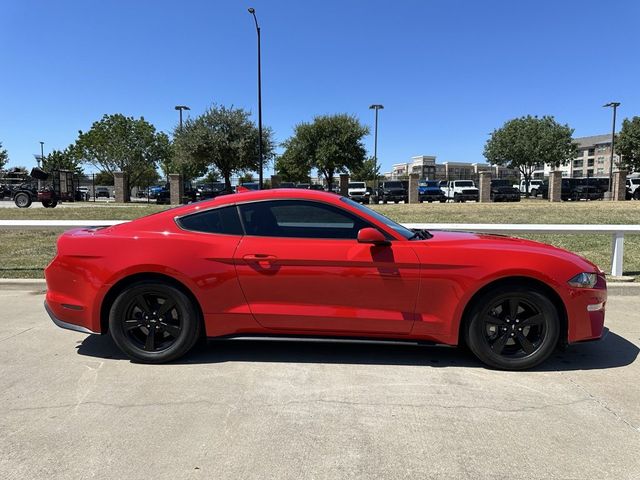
(67, 325)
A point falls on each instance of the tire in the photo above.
(49, 203)
(534, 192)
(456, 199)
(22, 200)
(167, 335)
(491, 328)
(443, 201)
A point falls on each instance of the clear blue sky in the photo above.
(447, 72)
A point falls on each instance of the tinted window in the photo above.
(219, 220)
(299, 219)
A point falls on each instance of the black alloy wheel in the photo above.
(513, 330)
(154, 322)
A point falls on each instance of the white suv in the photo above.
(358, 192)
(633, 186)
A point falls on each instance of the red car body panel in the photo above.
(413, 289)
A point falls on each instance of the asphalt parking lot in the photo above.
(73, 407)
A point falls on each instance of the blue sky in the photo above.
(447, 72)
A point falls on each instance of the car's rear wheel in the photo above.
(154, 322)
(513, 330)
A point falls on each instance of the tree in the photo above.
(66, 159)
(290, 168)
(628, 144)
(123, 144)
(331, 144)
(367, 171)
(221, 139)
(4, 157)
(527, 142)
(103, 178)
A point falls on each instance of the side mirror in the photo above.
(373, 236)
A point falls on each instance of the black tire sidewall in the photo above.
(190, 323)
(474, 334)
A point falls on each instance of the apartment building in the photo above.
(427, 168)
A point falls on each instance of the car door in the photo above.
(301, 268)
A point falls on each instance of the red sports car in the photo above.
(307, 263)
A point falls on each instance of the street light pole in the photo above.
(375, 107)
(180, 108)
(252, 11)
(615, 106)
(41, 159)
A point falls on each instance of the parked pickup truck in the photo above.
(358, 192)
(534, 187)
(429, 191)
(503, 191)
(461, 190)
(394, 191)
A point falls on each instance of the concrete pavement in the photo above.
(72, 407)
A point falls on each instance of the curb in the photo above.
(36, 284)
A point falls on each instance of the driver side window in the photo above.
(299, 219)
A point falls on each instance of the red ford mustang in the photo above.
(308, 263)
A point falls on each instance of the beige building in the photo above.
(593, 159)
(427, 168)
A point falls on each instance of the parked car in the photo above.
(213, 190)
(102, 192)
(251, 185)
(577, 189)
(430, 191)
(394, 191)
(304, 186)
(254, 264)
(504, 191)
(287, 185)
(461, 191)
(534, 186)
(83, 194)
(316, 186)
(358, 192)
(633, 187)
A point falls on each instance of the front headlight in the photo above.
(584, 280)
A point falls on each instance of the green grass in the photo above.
(24, 254)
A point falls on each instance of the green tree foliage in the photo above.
(290, 168)
(628, 144)
(123, 144)
(4, 157)
(222, 140)
(331, 144)
(367, 171)
(527, 142)
(103, 179)
(66, 159)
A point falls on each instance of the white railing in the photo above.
(616, 231)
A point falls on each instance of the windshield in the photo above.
(430, 183)
(356, 185)
(392, 184)
(464, 184)
(405, 232)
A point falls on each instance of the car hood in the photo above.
(473, 245)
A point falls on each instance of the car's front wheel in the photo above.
(513, 330)
(154, 322)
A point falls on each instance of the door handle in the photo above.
(259, 257)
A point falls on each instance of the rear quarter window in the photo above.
(223, 220)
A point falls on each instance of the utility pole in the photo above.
(375, 107)
(615, 106)
(252, 11)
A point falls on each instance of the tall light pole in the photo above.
(615, 106)
(252, 11)
(375, 107)
(180, 108)
(41, 159)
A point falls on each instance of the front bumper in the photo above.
(67, 325)
(586, 311)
